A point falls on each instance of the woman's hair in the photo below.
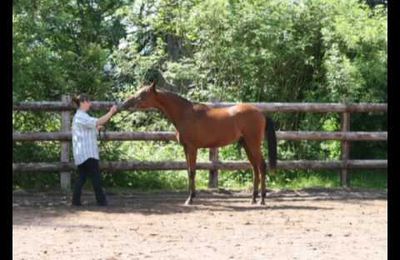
(80, 98)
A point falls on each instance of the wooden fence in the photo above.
(345, 136)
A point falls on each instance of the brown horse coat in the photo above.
(199, 126)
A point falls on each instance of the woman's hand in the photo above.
(104, 119)
(99, 127)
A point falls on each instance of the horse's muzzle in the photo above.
(127, 105)
(123, 106)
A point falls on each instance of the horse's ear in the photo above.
(153, 86)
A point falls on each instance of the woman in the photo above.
(85, 149)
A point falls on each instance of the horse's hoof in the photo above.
(253, 201)
(262, 202)
(188, 202)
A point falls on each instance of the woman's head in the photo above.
(82, 101)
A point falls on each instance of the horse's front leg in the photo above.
(191, 155)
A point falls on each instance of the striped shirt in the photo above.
(84, 137)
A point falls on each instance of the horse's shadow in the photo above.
(164, 203)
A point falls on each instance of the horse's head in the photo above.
(142, 99)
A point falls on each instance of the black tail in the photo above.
(272, 147)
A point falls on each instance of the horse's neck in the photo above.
(173, 106)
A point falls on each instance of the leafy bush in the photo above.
(212, 50)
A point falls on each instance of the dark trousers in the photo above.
(89, 168)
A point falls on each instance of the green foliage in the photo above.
(61, 47)
(212, 50)
(261, 51)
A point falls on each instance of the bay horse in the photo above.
(199, 126)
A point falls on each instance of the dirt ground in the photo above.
(305, 224)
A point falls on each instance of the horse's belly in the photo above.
(218, 140)
(218, 143)
(211, 131)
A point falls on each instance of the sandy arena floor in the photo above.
(306, 224)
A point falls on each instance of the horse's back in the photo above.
(234, 116)
(245, 108)
(250, 119)
(245, 113)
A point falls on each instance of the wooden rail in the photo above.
(345, 136)
(268, 107)
(226, 165)
(170, 136)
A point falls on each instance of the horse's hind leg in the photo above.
(254, 163)
(263, 172)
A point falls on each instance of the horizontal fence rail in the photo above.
(268, 107)
(226, 165)
(345, 136)
(170, 136)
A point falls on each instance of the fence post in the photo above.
(213, 175)
(344, 177)
(213, 157)
(65, 177)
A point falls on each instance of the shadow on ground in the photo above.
(169, 202)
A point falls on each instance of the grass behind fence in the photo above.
(234, 180)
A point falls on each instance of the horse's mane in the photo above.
(181, 99)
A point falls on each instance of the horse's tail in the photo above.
(272, 146)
